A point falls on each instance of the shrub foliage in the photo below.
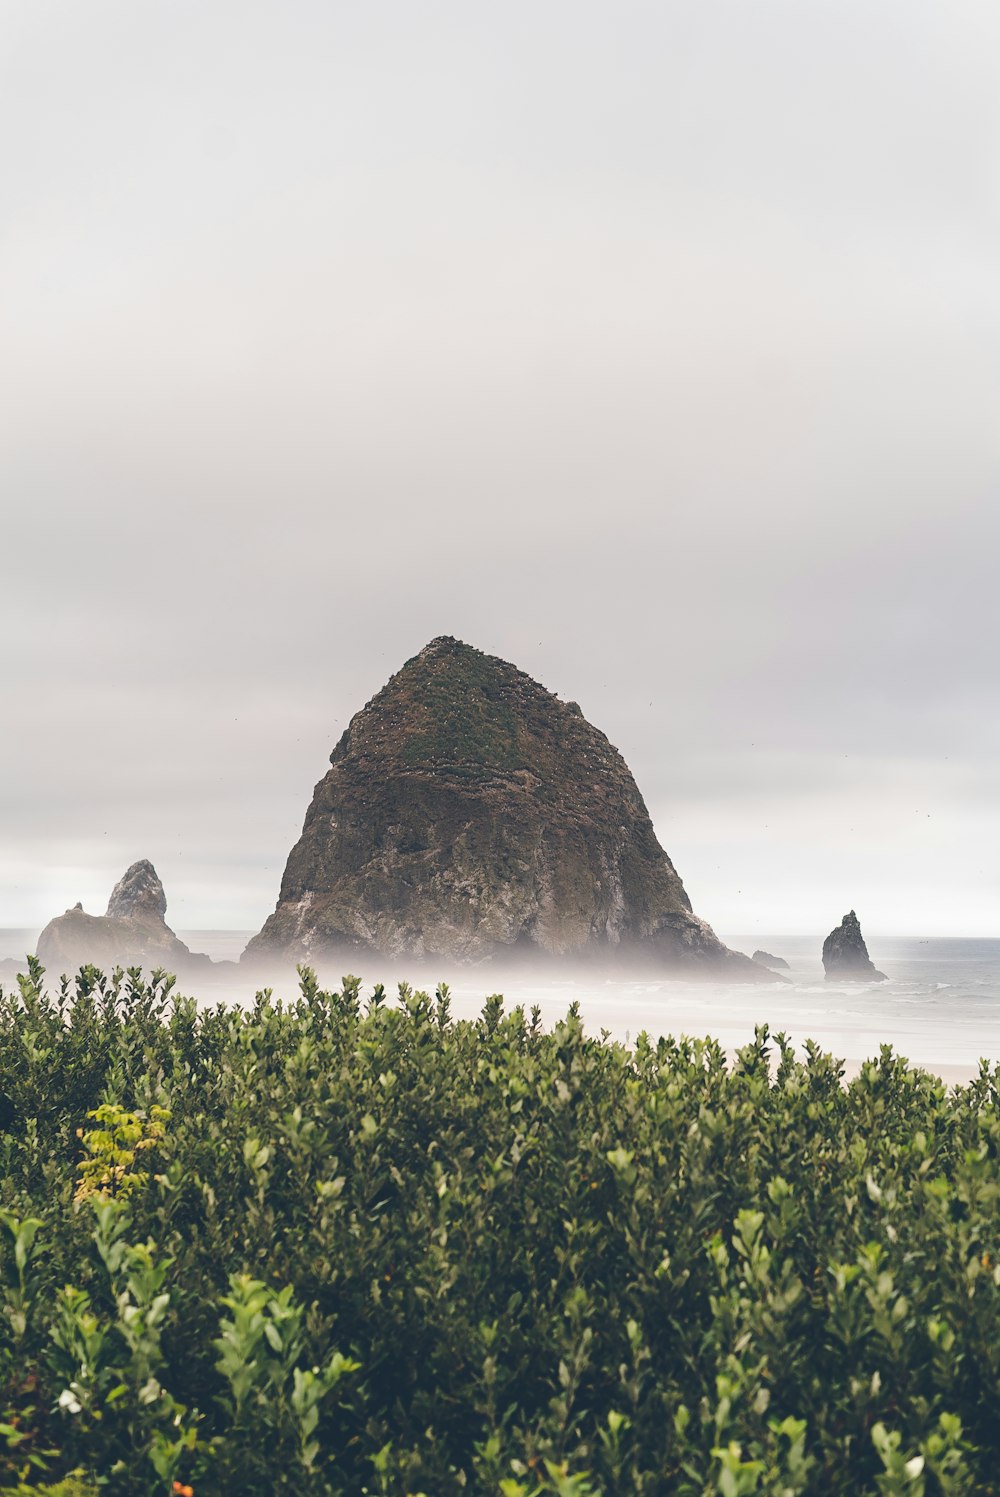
(343, 1246)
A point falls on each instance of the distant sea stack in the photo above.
(470, 815)
(767, 960)
(133, 932)
(845, 955)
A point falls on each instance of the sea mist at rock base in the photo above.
(940, 1007)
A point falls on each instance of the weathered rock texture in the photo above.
(767, 960)
(845, 955)
(470, 814)
(133, 932)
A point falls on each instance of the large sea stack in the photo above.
(133, 931)
(470, 815)
(845, 955)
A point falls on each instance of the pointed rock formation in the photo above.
(845, 955)
(133, 932)
(468, 815)
(138, 895)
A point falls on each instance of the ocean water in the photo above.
(940, 1007)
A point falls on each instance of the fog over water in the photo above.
(940, 1007)
(653, 347)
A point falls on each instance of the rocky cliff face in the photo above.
(133, 932)
(470, 814)
(845, 955)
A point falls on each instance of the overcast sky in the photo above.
(652, 346)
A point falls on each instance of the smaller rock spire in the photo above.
(845, 955)
(132, 933)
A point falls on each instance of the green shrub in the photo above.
(70, 1486)
(373, 1249)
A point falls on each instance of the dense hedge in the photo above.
(346, 1246)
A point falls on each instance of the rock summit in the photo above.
(471, 815)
